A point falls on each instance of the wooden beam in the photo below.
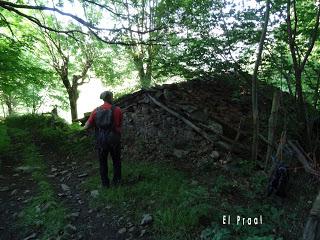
(186, 121)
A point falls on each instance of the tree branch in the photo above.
(83, 74)
(37, 21)
(106, 8)
(7, 23)
(13, 7)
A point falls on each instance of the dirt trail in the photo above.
(16, 189)
(65, 176)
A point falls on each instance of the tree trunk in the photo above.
(287, 78)
(149, 65)
(72, 91)
(147, 79)
(255, 111)
(144, 70)
(73, 98)
(302, 115)
(34, 104)
(272, 125)
(301, 112)
(34, 107)
(4, 112)
(144, 78)
(312, 228)
(9, 104)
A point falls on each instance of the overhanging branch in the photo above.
(38, 22)
(13, 7)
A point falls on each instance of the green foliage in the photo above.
(220, 184)
(218, 36)
(278, 66)
(22, 76)
(260, 181)
(114, 66)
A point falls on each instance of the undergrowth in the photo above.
(242, 192)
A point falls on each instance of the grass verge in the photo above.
(43, 212)
(166, 194)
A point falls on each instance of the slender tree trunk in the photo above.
(149, 65)
(255, 111)
(34, 107)
(302, 111)
(302, 114)
(272, 125)
(287, 78)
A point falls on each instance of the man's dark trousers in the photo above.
(115, 152)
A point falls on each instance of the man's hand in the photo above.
(87, 126)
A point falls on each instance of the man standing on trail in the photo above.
(107, 120)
